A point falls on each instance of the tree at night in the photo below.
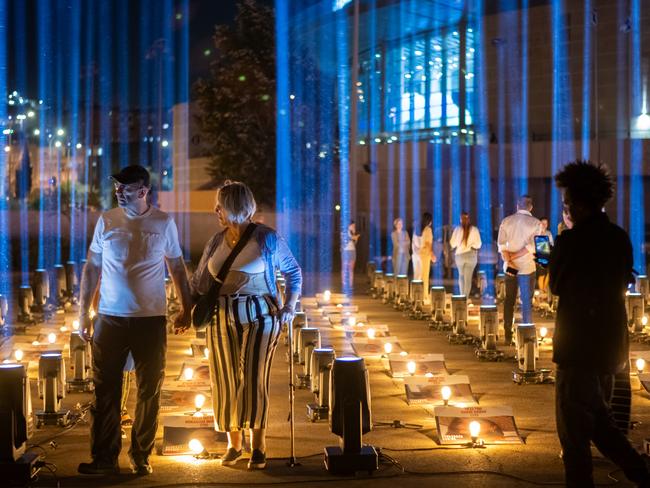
(237, 101)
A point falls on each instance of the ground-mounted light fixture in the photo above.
(51, 388)
(350, 418)
(18, 465)
(489, 329)
(80, 359)
(437, 297)
(59, 296)
(308, 340)
(321, 366)
(41, 293)
(417, 300)
(401, 292)
(389, 288)
(458, 333)
(25, 302)
(527, 351)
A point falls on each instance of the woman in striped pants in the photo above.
(244, 332)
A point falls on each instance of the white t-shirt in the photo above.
(473, 240)
(249, 260)
(518, 231)
(133, 265)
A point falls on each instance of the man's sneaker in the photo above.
(257, 460)
(98, 468)
(230, 457)
(140, 467)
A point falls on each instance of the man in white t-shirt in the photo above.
(516, 244)
(127, 259)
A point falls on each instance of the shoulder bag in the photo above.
(206, 306)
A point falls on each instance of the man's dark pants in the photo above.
(583, 415)
(113, 338)
(526, 285)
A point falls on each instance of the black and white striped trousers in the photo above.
(242, 340)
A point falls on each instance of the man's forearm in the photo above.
(89, 280)
(181, 283)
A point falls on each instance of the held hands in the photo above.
(85, 327)
(286, 314)
(182, 322)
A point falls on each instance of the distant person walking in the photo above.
(349, 240)
(426, 250)
(401, 247)
(466, 241)
(590, 268)
(516, 243)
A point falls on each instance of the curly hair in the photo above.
(588, 183)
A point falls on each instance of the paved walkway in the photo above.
(415, 450)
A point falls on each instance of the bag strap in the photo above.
(225, 267)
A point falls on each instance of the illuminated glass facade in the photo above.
(417, 86)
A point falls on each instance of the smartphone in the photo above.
(512, 271)
(542, 249)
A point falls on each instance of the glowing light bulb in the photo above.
(18, 354)
(403, 353)
(543, 331)
(57, 144)
(644, 320)
(428, 374)
(445, 392)
(388, 348)
(188, 373)
(63, 328)
(195, 446)
(189, 351)
(75, 324)
(339, 305)
(199, 401)
(51, 338)
(91, 314)
(411, 367)
(352, 321)
(35, 343)
(37, 132)
(371, 333)
(537, 293)
(360, 324)
(327, 296)
(206, 352)
(474, 429)
(7, 148)
(60, 132)
(640, 365)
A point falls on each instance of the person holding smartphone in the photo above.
(516, 244)
(590, 268)
(542, 272)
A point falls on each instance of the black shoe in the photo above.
(230, 457)
(98, 468)
(257, 460)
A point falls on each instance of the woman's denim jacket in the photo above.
(276, 255)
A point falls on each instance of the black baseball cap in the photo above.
(132, 174)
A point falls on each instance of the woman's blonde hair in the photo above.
(398, 219)
(237, 200)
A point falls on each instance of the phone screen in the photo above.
(543, 248)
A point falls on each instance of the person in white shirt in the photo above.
(128, 252)
(466, 240)
(516, 243)
(401, 245)
(426, 250)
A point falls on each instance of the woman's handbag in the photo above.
(206, 306)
